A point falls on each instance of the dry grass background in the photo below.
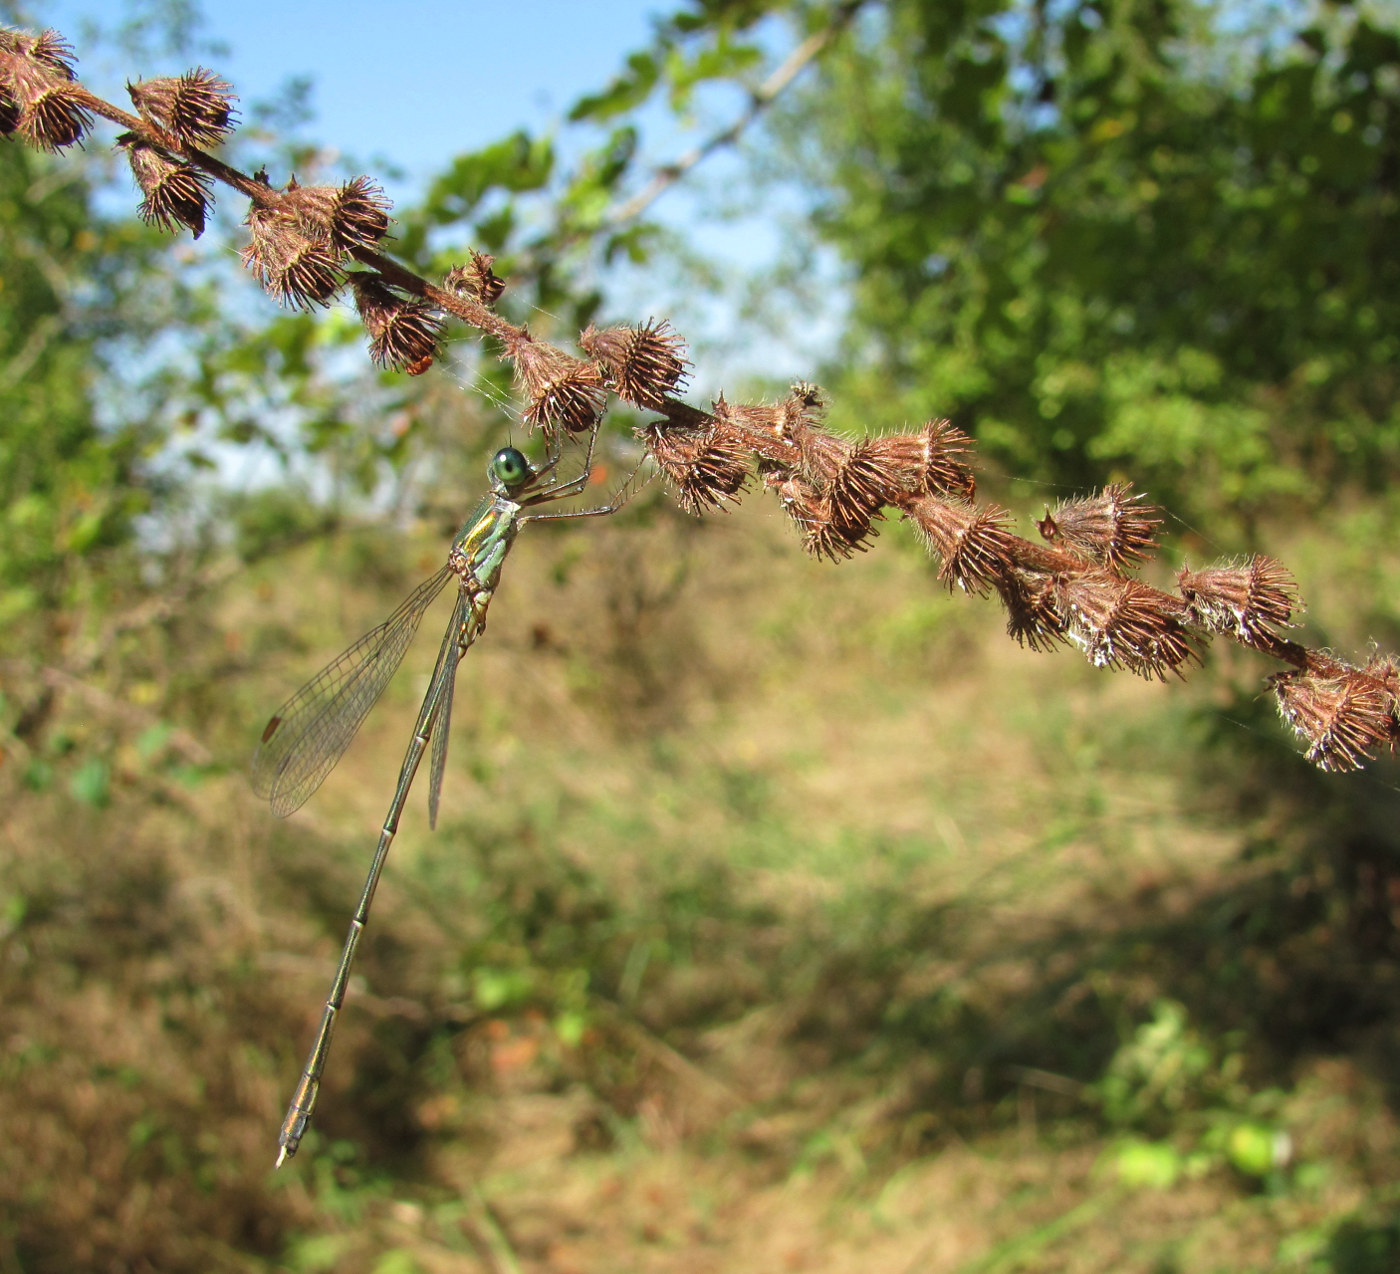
(780, 917)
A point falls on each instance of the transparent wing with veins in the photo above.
(309, 733)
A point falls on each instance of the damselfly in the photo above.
(308, 734)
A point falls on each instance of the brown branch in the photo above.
(1078, 587)
(667, 175)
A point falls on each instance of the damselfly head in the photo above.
(509, 469)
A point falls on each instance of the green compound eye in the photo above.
(509, 467)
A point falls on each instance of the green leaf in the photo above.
(516, 163)
(151, 741)
(1152, 1165)
(91, 782)
(625, 93)
(1256, 1149)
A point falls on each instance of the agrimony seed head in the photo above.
(705, 464)
(974, 543)
(823, 533)
(38, 96)
(174, 193)
(195, 109)
(560, 392)
(1122, 623)
(355, 215)
(1249, 601)
(1033, 618)
(1113, 527)
(299, 269)
(1341, 718)
(930, 461)
(403, 332)
(644, 365)
(476, 279)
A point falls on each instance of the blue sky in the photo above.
(415, 81)
(413, 85)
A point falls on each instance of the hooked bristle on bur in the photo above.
(175, 193)
(645, 365)
(403, 332)
(1341, 718)
(560, 392)
(476, 279)
(38, 97)
(1249, 601)
(705, 465)
(1113, 528)
(1122, 623)
(296, 268)
(196, 108)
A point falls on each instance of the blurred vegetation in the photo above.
(1142, 237)
(779, 917)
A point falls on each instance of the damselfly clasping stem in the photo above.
(309, 733)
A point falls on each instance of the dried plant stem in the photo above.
(1078, 587)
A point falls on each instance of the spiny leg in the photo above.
(629, 489)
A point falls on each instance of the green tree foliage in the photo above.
(68, 487)
(1142, 236)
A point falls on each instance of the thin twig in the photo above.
(667, 175)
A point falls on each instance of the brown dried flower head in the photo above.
(195, 109)
(560, 392)
(644, 365)
(1341, 719)
(476, 279)
(403, 332)
(1113, 528)
(1120, 623)
(929, 462)
(859, 487)
(355, 215)
(38, 97)
(175, 193)
(1249, 601)
(975, 545)
(823, 534)
(296, 268)
(1033, 618)
(706, 464)
(47, 49)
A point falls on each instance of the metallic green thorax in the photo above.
(482, 544)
